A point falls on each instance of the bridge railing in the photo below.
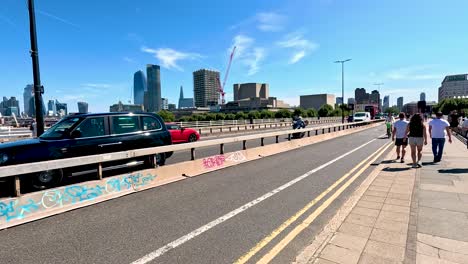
(28, 168)
(196, 124)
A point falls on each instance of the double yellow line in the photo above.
(299, 228)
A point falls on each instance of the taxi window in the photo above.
(150, 123)
(125, 124)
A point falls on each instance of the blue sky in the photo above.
(89, 50)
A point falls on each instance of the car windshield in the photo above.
(359, 114)
(58, 130)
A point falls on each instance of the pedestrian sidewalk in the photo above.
(405, 215)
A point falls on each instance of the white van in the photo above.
(361, 116)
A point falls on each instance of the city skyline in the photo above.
(273, 38)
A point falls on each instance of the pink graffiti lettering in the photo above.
(213, 162)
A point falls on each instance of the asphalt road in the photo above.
(126, 229)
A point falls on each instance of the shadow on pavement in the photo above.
(428, 163)
(396, 169)
(453, 171)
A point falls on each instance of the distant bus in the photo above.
(373, 110)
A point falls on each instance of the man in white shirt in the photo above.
(438, 128)
(399, 131)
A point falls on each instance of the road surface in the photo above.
(144, 224)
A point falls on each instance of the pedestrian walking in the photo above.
(389, 120)
(398, 135)
(417, 138)
(438, 129)
(453, 119)
(33, 128)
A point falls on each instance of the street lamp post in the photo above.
(38, 88)
(342, 87)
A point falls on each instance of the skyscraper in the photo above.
(400, 103)
(386, 103)
(206, 87)
(27, 95)
(139, 87)
(164, 103)
(361, 96)
(32, 107)
(62, 109)
(82, 107)
(374, 97)
(184, 102)
(51, 108)
(422, 96)
(153, 73)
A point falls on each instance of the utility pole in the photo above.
(38, 88)
(342, 87)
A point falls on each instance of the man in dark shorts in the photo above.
(399, 136)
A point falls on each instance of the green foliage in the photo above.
(254, 115)
(184, 119)
(230, 117)
(210, 117)
(300, 112)
(283, 113)
(336, 112)
(311, 112)
(220, 116)
(166, 116)
(265, 114)
(392, 110)
(241, 116)
(447, 105)
(325, 110)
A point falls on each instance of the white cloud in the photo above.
(168, 57)
(247, 53)
(293, 101)
(297, 57)
(413, 73)
(270, 21)
(95, 85)
(301, 46)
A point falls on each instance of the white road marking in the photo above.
(159, 252)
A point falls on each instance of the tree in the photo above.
(283, 113)
(220, 116)
(210, 117)
(392, 110)
(230, 117)
(300, 112)
(311, 112)
(184, 119)
(266, 114)
(166, 116)
(241, 116)
(254, 114)
(336, 112)
(325, 110)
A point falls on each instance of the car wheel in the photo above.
(46, 179)
(192, 138)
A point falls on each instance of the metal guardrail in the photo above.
(14, 170)
(196, 124)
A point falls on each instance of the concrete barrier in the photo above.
(33, 206)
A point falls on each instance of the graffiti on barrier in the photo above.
(214, 161)
(12, 209)
(236, 157)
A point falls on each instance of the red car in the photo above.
(181, 135)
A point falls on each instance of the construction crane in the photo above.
(221, 87)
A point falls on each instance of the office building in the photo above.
(351, 101)
(316, 100)
(32, 107)
(171, 107)
(361, 96)
(164, 104)
(422, 97)
(120, 107)
(51, 109)
(251, 90)
(10, 106)
(386, 103)
(374, 97)
(28, 93)
(62, 108)
(206, 86)
(185, 102)
(339, 100)
(82, 107)
(153, 74)
(412, 107)
(400, 103)
(139, 87)
(454, 86)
